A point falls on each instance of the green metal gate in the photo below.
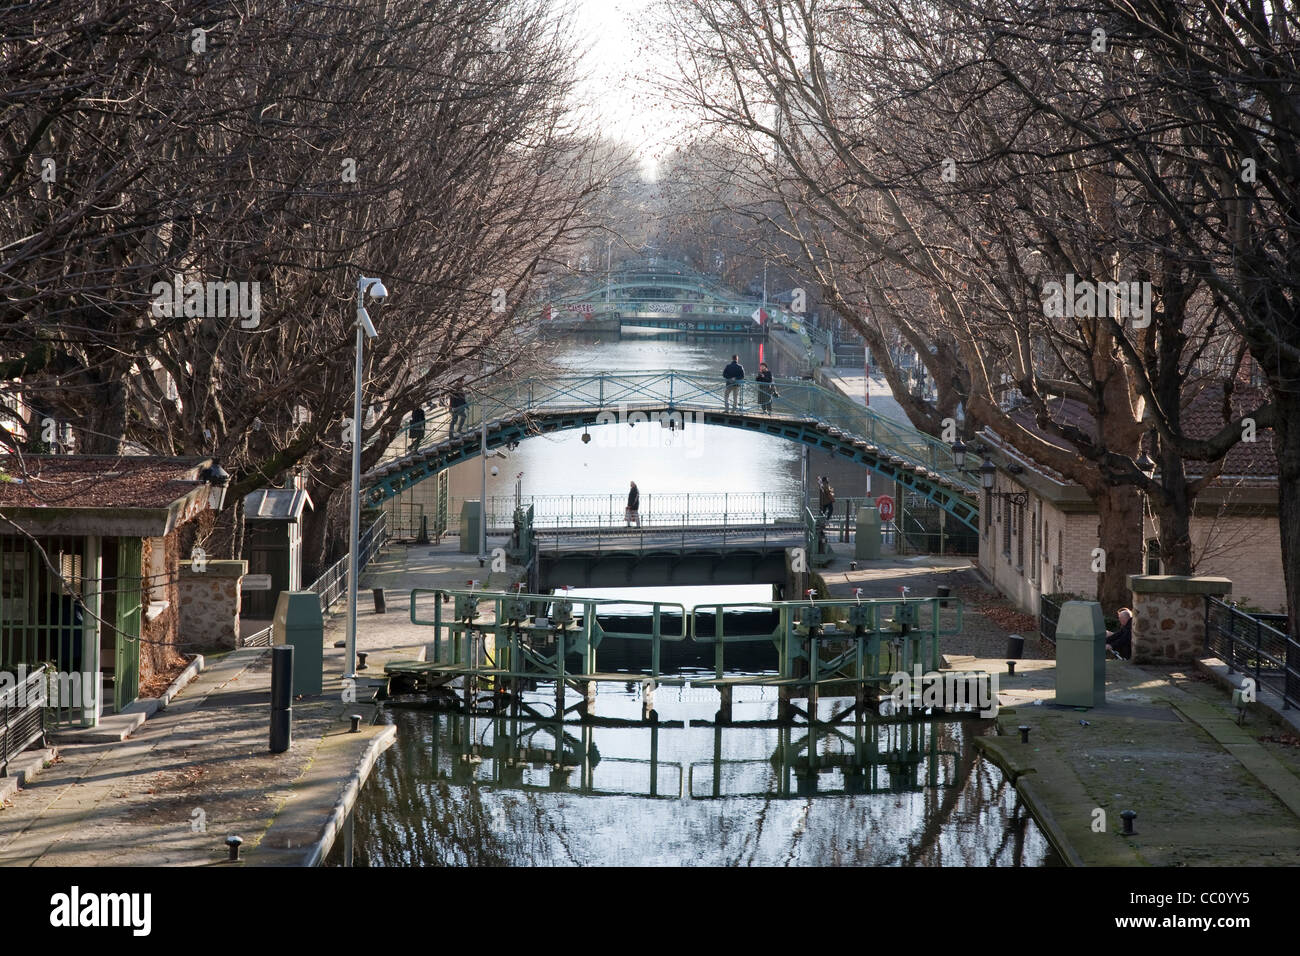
(126, 660)
(42, 620)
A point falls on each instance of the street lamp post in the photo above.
(365, 330)
(608, 260)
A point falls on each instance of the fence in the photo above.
(22, 717)
(333, 584)
(1049, 612)
(1249, 644)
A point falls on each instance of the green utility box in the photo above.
(866, 541)
(1081, 655)
(471, 513)
(298, 622)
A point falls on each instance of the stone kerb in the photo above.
(1169, 615)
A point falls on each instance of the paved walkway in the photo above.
(201, 769)
(1166, 745)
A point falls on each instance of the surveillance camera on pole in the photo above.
(365, 330)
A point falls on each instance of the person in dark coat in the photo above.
(459, 406)
(1121, 640)
(825, 497)
(733, 375)
(633, 513)
(416, 431)
(766, 391)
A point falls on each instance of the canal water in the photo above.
(704, 458)
(528, 790)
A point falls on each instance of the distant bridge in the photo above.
(801, 411)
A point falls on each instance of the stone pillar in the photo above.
(1169, 615)
(209, 602)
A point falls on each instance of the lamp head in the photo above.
(988, 472)
(959, 454)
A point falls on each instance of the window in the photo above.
(1006, 528)
(1153, 556)
(1020, 538)
(1033, 537)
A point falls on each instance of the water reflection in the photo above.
(529, 790)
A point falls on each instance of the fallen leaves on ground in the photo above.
(1000, 611)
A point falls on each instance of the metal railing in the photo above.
(22, 717)
(333, 584)
(1249, 644)
(1049, 612)
(657, 510)
(796, 399)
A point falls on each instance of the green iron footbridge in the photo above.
(801, 411)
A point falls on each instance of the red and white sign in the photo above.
(759, 316)
(885, 505)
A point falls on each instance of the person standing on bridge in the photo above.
(415, 434)
(766, 391)
(734, 375)
(633, 513)
(459, 406)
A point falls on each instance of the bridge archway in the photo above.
(887, 448)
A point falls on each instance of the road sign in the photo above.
(255, 582)
(885, 505)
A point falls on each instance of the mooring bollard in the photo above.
(1128, 816)
(380, 606)
(281, 697)
(1011, 668)
(1024, 733)
(356, 723)
(361, 660)
(233, 843)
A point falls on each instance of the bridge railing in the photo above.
(658, 509)
(656, 389)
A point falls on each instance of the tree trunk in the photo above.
(1286, 446)
(1119, 511)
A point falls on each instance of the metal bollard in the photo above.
(356, 723)
(233, 843)
(1024, 733)
(361, 660)
(281, 697)
(380, 606)
(1011, 668)
(1128, 816)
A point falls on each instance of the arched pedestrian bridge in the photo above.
(801, 412)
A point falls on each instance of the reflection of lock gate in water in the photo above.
(529, 753)
(838, 647)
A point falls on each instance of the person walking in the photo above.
(734, 375)
(633, 513)
(825, 498)
(766, 390)
(459, 406)
(416, 431)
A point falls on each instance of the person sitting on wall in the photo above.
(1121, 640)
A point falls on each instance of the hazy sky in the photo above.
(617, 60)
